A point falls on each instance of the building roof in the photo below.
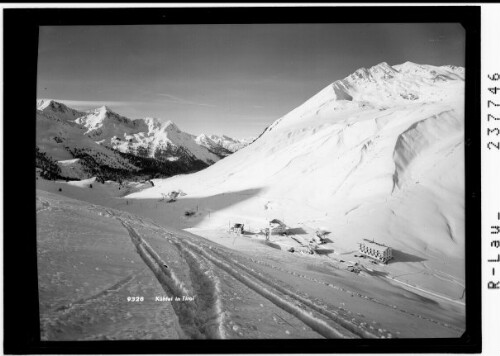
(375, 245)
(276, 221)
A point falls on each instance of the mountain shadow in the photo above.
(187, 211)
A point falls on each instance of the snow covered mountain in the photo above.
(58, 110)
(222, 145)
(231, 144)
(64, 142)
(378, 154)
(108, 139)
(144, 137)
(212, 146)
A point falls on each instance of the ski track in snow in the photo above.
(352, 293)
(347, 291)
(206, 289)
(270, 291)
(67, 311)
(420, 129)
(201, 319)
(194, 318)
(426, 291)
(45, 206)
(102, 294)
(205, 318)
(203, 258)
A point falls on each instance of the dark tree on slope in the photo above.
(93, 165)
(157, 168)
(140, 167)
(50, 168)
(142, 151)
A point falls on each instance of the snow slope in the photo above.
(380, 159)
(93, 258)
(378, 155)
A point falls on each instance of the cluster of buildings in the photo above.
(369, 248)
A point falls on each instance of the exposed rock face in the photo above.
(103, 142)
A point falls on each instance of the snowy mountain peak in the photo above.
(392, 154)
(452, 67)
(151, 122)
(378, 88)
(460, 71)
(103, 111)
(410, 67)
(43, 103)
(227, 138)
(170, 126)
(373, 74)
(104, 115)
(382, 65)
(97, 137)
(206, 141)
(383, 71)
(203, 138)
(53, 108)
(409, 64)
(362, 74)
(222, 142)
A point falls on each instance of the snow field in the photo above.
(377, 155)
(200, 258)
(86, 274)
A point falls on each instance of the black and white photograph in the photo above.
(251, 181)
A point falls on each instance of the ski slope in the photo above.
(94, 258)
(359, 167)
(378, 155)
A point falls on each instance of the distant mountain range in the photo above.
(103, 143)
(222, 145)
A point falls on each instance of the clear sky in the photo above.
(224, 79)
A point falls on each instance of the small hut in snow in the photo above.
(277, 227)
(238, 228)
(170, 197)
(375, 250)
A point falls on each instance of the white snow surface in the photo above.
(374, 164)
(379, 154)
(243, 287)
